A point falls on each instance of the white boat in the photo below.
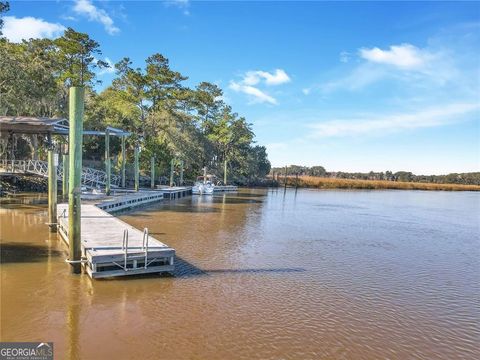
(202, 188)
(204, 184)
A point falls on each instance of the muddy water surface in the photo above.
(260, 275)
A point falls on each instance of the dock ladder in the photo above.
(135, 256)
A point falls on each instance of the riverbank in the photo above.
(332, 183)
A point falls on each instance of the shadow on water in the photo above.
(185, 269)
(25, 253)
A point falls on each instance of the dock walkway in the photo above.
(111, 247)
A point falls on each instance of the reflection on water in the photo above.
(262, 274)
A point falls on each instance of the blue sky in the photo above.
(351, 86)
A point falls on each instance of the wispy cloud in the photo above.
(252, 79)
(430, 117)
(184, 5)
(414, 67)
(256, 95)
(109, 70)
(86, 8)
(345, 56)
(15, 29)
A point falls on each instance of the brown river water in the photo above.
(262, 274)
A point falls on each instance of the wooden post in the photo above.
(123, 161)
(172, 164)
(107, 162)
(225, 172)
(65, 177)
(296, 180)
(52, 190)
(285, 179)
(181, 172)
(137, 169)
(152, 172)
(75, 140)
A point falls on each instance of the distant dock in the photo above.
(111, 247)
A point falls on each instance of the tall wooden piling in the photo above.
(123, 161)
(52, 190)
(76, 108)
(107, 162)
(152, 172)
(137, 169)
(172, 164)
(65, 177)
(285, 179)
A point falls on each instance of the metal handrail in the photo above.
(90, 177)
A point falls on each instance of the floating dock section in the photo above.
(111, 247)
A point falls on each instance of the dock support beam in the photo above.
(65, 177)
(172, 164)
(75, 174)
(152, 172)
(107, 162)
(123, 161)
(52, 190)
(285, 179)
(137, 170)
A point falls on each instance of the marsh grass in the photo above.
(332, 183)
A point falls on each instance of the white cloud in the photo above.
(86, 7)
(276, 78)
(257, 95)
(431, 117)
(404, 56)
(259, 77)
(15, 29)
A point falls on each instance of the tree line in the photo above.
(472, 178)
(167, 118)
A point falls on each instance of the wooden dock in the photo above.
(111, 247)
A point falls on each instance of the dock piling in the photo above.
(152, 172)
(137, 175)
(107, 162)
(65, 177)
(123, 161)
(76, 108)
(225, 172)
(181, 172)
(52, 190)
(172, 164)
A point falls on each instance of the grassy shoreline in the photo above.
(331, 183)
